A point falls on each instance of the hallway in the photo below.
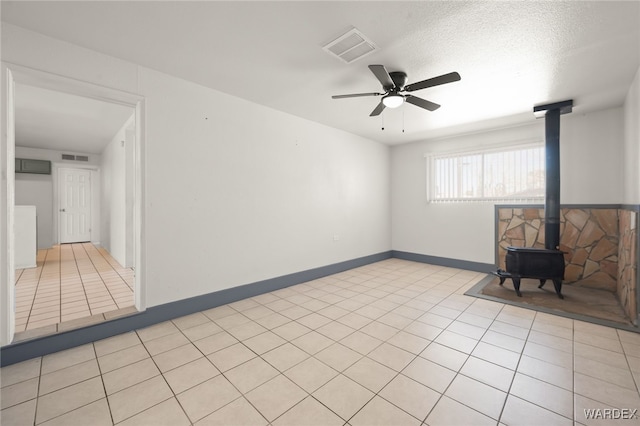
(71, 281)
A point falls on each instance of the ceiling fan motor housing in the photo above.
(399, 80)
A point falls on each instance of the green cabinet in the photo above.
(42, 167)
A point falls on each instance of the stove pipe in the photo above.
(551, 113)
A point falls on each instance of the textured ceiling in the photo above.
(64, 122)
(511, 55)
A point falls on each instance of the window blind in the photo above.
(515, 173)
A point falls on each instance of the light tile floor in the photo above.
(71, 281)
(391, 343)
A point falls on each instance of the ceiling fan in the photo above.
(395, 84)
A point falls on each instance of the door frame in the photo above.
(11, 74)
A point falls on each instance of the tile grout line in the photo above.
(221, 373)
(84, 289)
(626, 357)
(442, 394)
(100, 275)
(35, 411)
(114, 269)
(87, 261)
(75, 273)
(104, 387)
(161, 374)
(33, 301)
(515, 371)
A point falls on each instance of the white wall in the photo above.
(632, 143)
(238, 192)
(38, 190)
(234, 192)
(130, 185)
(590, 155)
(114, 189)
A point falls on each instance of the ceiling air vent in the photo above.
(75, 157)
(350, 46)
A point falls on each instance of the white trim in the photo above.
(139, 210)
(7, 202)
(59, 83)
(12, 73)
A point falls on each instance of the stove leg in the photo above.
(502, 280)
(516, 285)
(542, 283)
(558, 286)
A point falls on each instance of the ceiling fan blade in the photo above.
(382, 75)
(356, 95)
(419, 102)
(377, 110)
(435, 81)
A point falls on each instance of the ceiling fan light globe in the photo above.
(393, 100)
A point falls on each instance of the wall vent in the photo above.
(75, 157)
(350, 46)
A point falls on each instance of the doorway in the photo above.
(74, 200)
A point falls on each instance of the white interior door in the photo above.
(74, 205)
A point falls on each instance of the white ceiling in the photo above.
(511, 55)
(65, 122)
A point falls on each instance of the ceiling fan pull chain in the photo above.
(402, 120)
(382, 118)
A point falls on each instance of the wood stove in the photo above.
(547, 263)
(537, 263)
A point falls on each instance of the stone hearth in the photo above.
(600, 246)
(627, 261)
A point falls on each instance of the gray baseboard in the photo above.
(444, 261)
(44, 345)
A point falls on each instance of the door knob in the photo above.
(63, 210)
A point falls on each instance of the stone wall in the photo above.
(589, 238)
(627, 262)
(600, 246)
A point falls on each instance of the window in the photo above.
(513, 173)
